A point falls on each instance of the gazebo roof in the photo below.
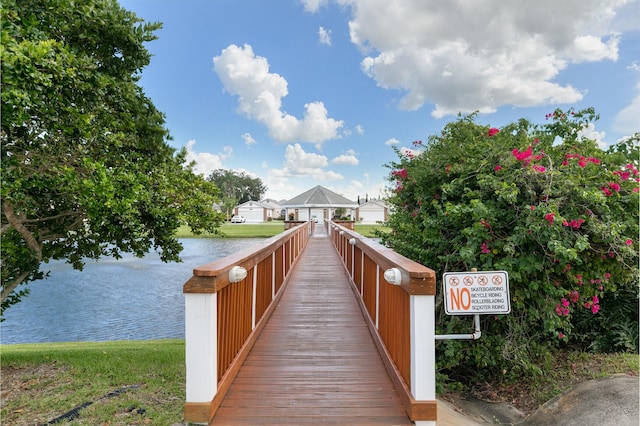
(319, 196)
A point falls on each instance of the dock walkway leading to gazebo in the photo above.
(315, 361)
(303, 329)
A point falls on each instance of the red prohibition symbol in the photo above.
(454, 281)
(467, 281)
(483, 280)
(496, 280)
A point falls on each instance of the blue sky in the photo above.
(314, 92)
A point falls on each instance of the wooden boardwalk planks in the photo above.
(315, 361)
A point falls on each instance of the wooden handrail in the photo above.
(213, 276)
(390, 313)
(223, 318)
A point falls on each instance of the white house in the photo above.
(253, 211)
(374, 211)
(259, 211)
(275, 209)
(318, 202)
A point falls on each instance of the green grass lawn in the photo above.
(264, 230)
(41, 382)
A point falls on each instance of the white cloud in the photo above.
(359, 129)
(260, 94)
(313, 5)
(590, 132)
(324, 36)
(409, 151)
(206, 162)
(347, 159)
(356, 184)
(392, 141)
(248, 139)
(299, 163)
(627, 121)
(467, 56)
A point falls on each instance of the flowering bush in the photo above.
(544, 204)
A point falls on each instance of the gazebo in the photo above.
(316, 204)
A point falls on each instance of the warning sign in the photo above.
(482, 292)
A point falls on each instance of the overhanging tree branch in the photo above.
(17, 224)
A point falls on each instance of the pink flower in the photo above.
(560, 336)
(485, 248)
(565, 302)
(524, 156)
(629, 241)
(623, 175)
(562, 311)
(497, 168)
(582, 162)
(575, 224)
(574, 296)
(539, 169)
(596, 299)
(493, 131)
(550, 217)
(595, 309)
(614, 186)
(402, 173)
(607, 191)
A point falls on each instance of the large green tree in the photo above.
(543, 203)
(236, 187)
(86, 168)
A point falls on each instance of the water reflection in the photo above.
(126, 299)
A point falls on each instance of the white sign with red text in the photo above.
(478, 292)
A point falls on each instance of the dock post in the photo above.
(423, 351)
(201, 337)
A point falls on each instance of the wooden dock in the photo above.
(315, 361)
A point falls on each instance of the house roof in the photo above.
(319, 196)
(372, 203)
(271, 203)
(255, 204)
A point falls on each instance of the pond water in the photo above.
(125, 299)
